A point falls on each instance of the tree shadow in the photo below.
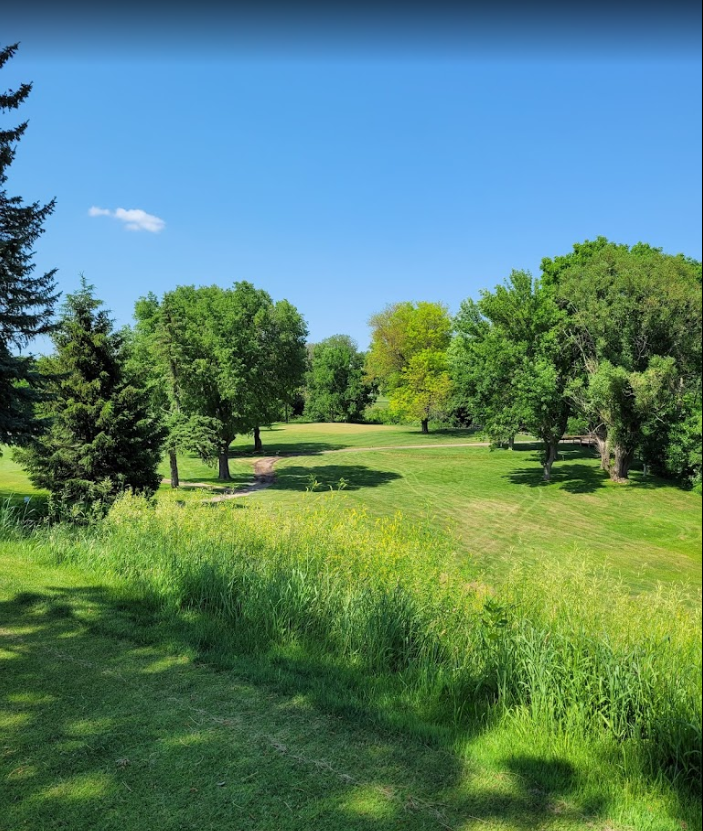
(27, 505)
(106, 728)
(107, 720)
(332, 477)
(571, 477)
(299, 448)
(574, 472)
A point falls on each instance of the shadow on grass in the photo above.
(332, 477)
(568, 476)
(30, 505)
(106, 723)
(298, 448)
(311, 448)
(574, 472)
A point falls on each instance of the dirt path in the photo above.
(265, 475)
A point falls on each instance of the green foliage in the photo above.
(408, 360)
(102, 438)
(635, 317)
(335, 387)
(511, 364)
(26, 301)
(234, 357)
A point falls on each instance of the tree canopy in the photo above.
(635, 318)
(511, 363)
(229, 359)
(407, 358)
(336, 388)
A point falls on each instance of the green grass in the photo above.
(14, 484)
(493, 503)
(339, 666)
(111, 712)
(300, 437)
(500, 512)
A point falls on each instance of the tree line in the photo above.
(606, 341)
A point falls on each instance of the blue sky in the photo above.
(344, 177)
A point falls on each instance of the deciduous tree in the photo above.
(336, 389)
(408, 358)
(511, 362)
(635, 315)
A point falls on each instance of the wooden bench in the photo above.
(583, 441)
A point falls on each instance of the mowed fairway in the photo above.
(494, 502)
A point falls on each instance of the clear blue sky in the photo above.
(351, 166)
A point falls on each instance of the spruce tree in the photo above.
(26, 301)
(103, 438)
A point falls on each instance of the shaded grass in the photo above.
(576, 655)
(15, 486)
(110, 713)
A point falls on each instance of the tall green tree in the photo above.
(336, 388)
(194, 339)
(269, 356)
(235, 358)
(102, 437)
(635, 316)
(26, 300)
(152, 360)
(511, 363)
(408, 359)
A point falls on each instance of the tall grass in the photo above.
(570, 651)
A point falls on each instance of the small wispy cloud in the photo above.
(134, 219)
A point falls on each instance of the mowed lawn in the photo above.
(495, 503)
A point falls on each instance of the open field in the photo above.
(500, 511)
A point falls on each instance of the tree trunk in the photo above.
(223, 463)
(511, 443)
(425, 427)
(551, 448)
(173, 462)
(258, 446)
(603, 447)
(622, 460)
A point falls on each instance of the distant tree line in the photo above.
(607, 341)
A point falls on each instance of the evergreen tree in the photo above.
(26, 301)
(102, 438)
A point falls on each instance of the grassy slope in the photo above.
(101, 727)
(501, 512)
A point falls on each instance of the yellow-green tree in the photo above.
(408, 358)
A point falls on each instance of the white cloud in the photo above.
(134, 219)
